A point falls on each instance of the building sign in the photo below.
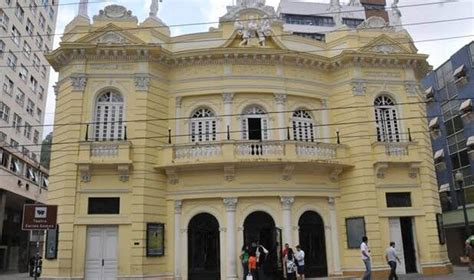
(39, 217)
(155, 241)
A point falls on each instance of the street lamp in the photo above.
(460, 180)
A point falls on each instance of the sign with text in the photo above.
(39, 217)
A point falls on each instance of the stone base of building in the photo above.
(382, 274)
(438, 269)
(150, 277)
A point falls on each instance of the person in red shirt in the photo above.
(253, 266)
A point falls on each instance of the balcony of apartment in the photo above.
(387, 154)
(235, 153)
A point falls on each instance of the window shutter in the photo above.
(245, 135)
(265, 129)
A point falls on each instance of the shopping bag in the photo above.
(464, 259)
(249, 277)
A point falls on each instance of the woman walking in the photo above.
(244, 258)
(290, 264)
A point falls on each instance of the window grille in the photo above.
(203, 126)
(386, 118)
(109, 117)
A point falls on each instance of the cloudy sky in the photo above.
(457, 17)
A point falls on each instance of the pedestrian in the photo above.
(392, 258)
(283, 255)
(252, 267)
(365, 254)
(470, 252)
(299, 256)
(261, 254)
(290, 264)
(244, 258)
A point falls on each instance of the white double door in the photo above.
(396, 236)
(101, 254)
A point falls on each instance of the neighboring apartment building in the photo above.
(195, 149)
(450, 94)
(26, 32)
(314, 19)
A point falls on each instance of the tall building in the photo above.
(315, 19)
(201, 143)
(26, 31)
(450, 94)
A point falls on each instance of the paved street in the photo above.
(460, 273)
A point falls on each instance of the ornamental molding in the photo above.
(375, 22)
(85, 173)
(229, 173)
(414, 169)
(359, 87)
(115, 13)
(412, 88)
(178, 206)
(253, 32)
(78, 82)
(287, 202)
(380, 169)
(230, 204)
(280, 98)
(228, 97)
(142, 82)
(334, 175)
(172, 176)
(288, 171)
(243, 6)
(124, 172)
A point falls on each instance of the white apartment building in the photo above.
(26, 32)
(314, 20)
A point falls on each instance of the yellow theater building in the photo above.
(171, 153)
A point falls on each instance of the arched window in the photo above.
(303, 126)
(254, 123)
(109, 117)
(203, 126)
(386, 118)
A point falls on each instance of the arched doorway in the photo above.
(203, 248)
(313, 243)
(260, 227)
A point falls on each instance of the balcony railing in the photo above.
(105, 152)
(395, 151)
(248, 151)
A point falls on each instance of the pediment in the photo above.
(110, 34)
(386, 45)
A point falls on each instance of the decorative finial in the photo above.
(83, 8)
(154, 7)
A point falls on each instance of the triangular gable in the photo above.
(386, 45)
(110, 34)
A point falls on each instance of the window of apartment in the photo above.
(14, 144)
(109, 116)
(103, 205)
(39, 113)
(20, 97)
(31, 172)
(42, 21)
(41, 93)
(43, 71)
(33, 7)
(30, 28)
(2, 48)
(36, 136)
(3, 138)
(51, 13)
(17, 122)
(26, 49)
(39, 41)
(16, 165)
(45, 3)
(351, 22)
(386, 118)
(8, 86)
(4, 20)
(23, 73)
(303, 126)
(30, 107)
(16, 36)
(4, 112)
(444, 74)
(33, 84)
(313, 36)
(27, 131)
(36, 62)
(203, 125)
(34, 157)
(399, 199)
(12, 60)
(19, 12)
(4, 156)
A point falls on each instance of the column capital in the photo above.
(230, 204)
(228, 97)
(280, 98)
(287, 202)
(332, 203)
(178, 206)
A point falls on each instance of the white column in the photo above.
(230, 205)
(325, 121)
(228, 98)
(287, 203)
(336, 261)
(178, 121)
(177, 239)
(280, 99)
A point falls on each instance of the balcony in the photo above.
(391, 153)
(105, 153)
(251, 153)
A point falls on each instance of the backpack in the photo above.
(290, 266)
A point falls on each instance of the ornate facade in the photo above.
(244, 133)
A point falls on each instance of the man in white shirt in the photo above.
(365, 255)
(299, 256)
(392, 258)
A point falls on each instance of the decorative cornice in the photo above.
(359, 87)
(230, 204)
(287, 202)
(142, 82)
(78, 82)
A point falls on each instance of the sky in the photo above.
(178, 12)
